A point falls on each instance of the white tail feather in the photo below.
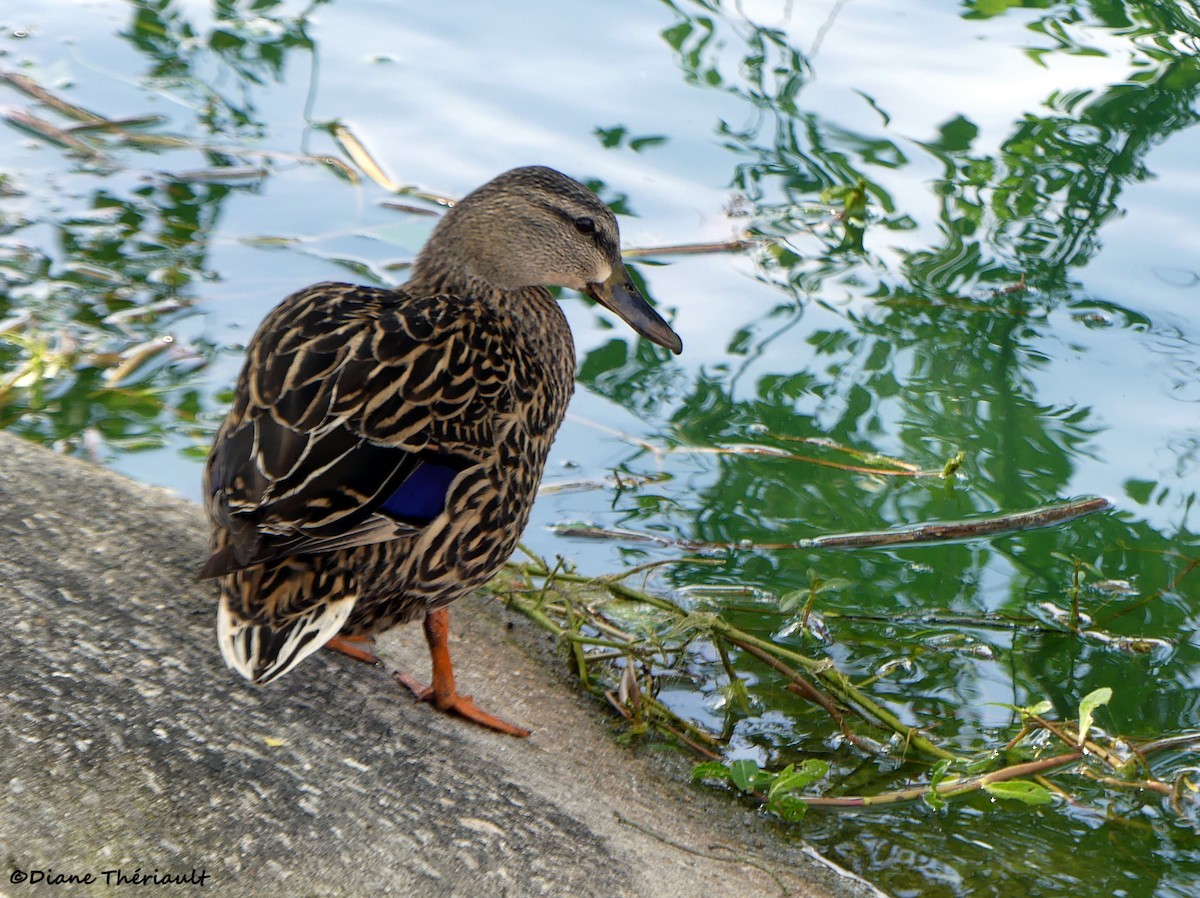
(262, 653)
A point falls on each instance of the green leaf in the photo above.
(831, 584)
(792, 780)
(1087, 708)
(744, 773)
(936, 776)
(610, 137)
(954, 463)
(710, 770)
(789, 807)
(793, 599)
(1020, 790)
(640, 143)
(780, 777)
(1029, 711)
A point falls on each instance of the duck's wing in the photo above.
(354, 413)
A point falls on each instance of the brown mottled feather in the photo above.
(348, 391)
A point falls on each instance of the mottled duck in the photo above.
(384, 447)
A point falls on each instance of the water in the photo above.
(1021, 285)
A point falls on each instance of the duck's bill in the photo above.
(618, 294)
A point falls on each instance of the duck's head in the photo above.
(535, 227)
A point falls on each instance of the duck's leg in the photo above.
(347, 646)
(442, 694)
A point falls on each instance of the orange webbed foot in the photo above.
(442, 693)
(356, 647)
(461, 705)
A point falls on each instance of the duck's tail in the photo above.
(261, 652)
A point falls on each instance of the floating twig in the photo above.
(174, 142)
(139, 313)
(364, 160)
(1019, 287)
(880, 465)
(32, 89)
(690, 249)
(334, 164)
(874, 458)
(1150, 785)
(959, 304)
(118, 124)
(950, 788)
(586, 531)
(958, 530)
(622, 481)
(96, 274)
(39, 127)
(1183, 740)
(227, 173)
(901, 469)
(942, 531)
(136, 356)
(953, 787)
(411, 210)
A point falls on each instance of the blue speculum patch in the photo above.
(421, 497)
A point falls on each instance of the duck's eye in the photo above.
(585, 225)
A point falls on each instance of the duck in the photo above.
(384, 447)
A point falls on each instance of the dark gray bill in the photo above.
(618, 294)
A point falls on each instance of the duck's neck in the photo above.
(530, 314)
(535, 314)
(444, 277)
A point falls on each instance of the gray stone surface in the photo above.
(126, 745)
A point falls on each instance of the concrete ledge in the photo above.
(126, 745)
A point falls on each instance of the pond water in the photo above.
(976, 229)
